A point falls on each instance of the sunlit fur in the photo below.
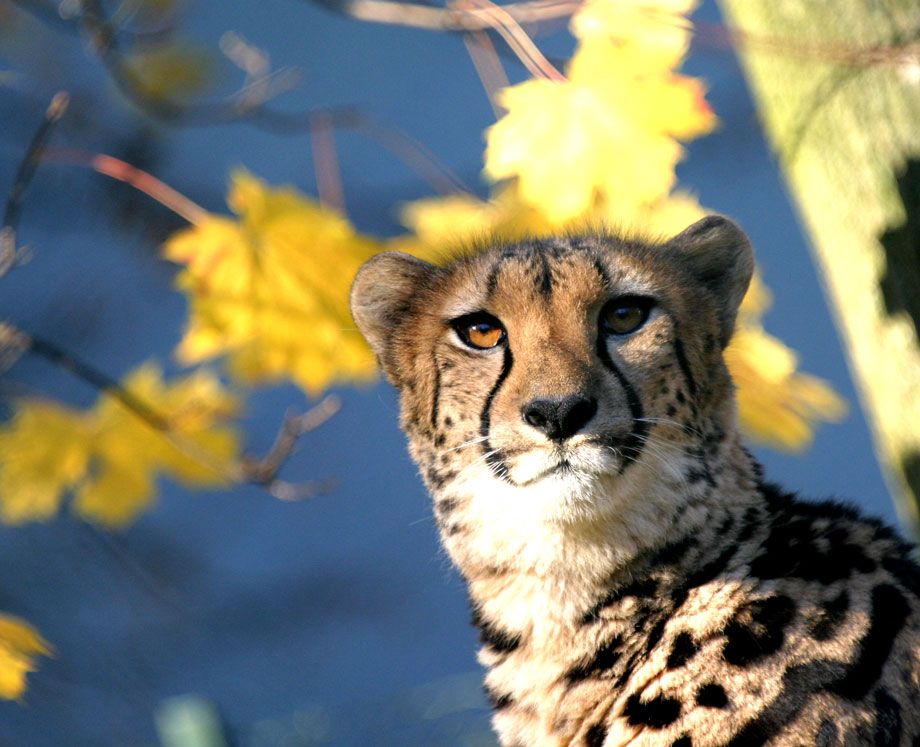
(583, 553)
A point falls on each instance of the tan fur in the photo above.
(635, 581)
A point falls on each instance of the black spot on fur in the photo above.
(673, 552)
(654, 635)
(682, 651)
(657, 713)
(545, 280)
(757, 630)
(889, 611)
(671, 411)
(787, 704)
(791, 550)
(596, 735)
(832, 613)
(439, 440)
(827, 734)
(603, 660)
(498, 701)
(887, 719)
(446, 506)
(448, 423)
(643, 588)
(904, 570)
(684, 741)
(712, 696)
(500, 641)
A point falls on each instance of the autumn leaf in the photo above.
(777, 404)
(610, 132)
(108, 458)
(455, 221)
(269, 289)
(44, 453)
(20, 644)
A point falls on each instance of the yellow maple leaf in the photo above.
(658, 30)
(108, 457)
(609, 132)
(45, 451)
(270, 290)
(778, 405)
(20, 644)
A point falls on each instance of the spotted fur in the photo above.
(634, 579)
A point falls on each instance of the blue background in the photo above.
(336, 620)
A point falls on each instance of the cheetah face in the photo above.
(555, 366)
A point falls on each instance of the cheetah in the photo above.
(635, 579)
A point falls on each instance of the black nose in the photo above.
(561, 418)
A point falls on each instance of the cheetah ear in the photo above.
(381, 298)
(718, 253)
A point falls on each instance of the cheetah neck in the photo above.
(529, 574)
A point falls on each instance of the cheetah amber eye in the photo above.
(480, 330)
(625, 315)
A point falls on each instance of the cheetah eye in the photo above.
(625, 315)
(479, 330)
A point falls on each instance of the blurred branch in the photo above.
(264, 471)
(27, 167)
(137, 178)
(325, 162)
(508, 27)
(261, 472)
(488, 66)
(238, 106)
(451, 18)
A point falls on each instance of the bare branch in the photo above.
(416, 15)
(265, 471)
(262, 472)
(137, 178)
(325, 162)
(9, 252)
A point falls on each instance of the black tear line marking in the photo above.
(684, 366)
(494, 459)
(632, 446)
(436, 396)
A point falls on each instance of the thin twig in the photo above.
(265, 471)
(507, 26)
(261, 472)
(416, 15)
(325, 163)
(488, 67)
(246, 105)
(27, 167)
(137, 178)
(13, 343)
(98, 380)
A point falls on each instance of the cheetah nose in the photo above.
(561, 418)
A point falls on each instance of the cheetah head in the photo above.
(546, 379)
